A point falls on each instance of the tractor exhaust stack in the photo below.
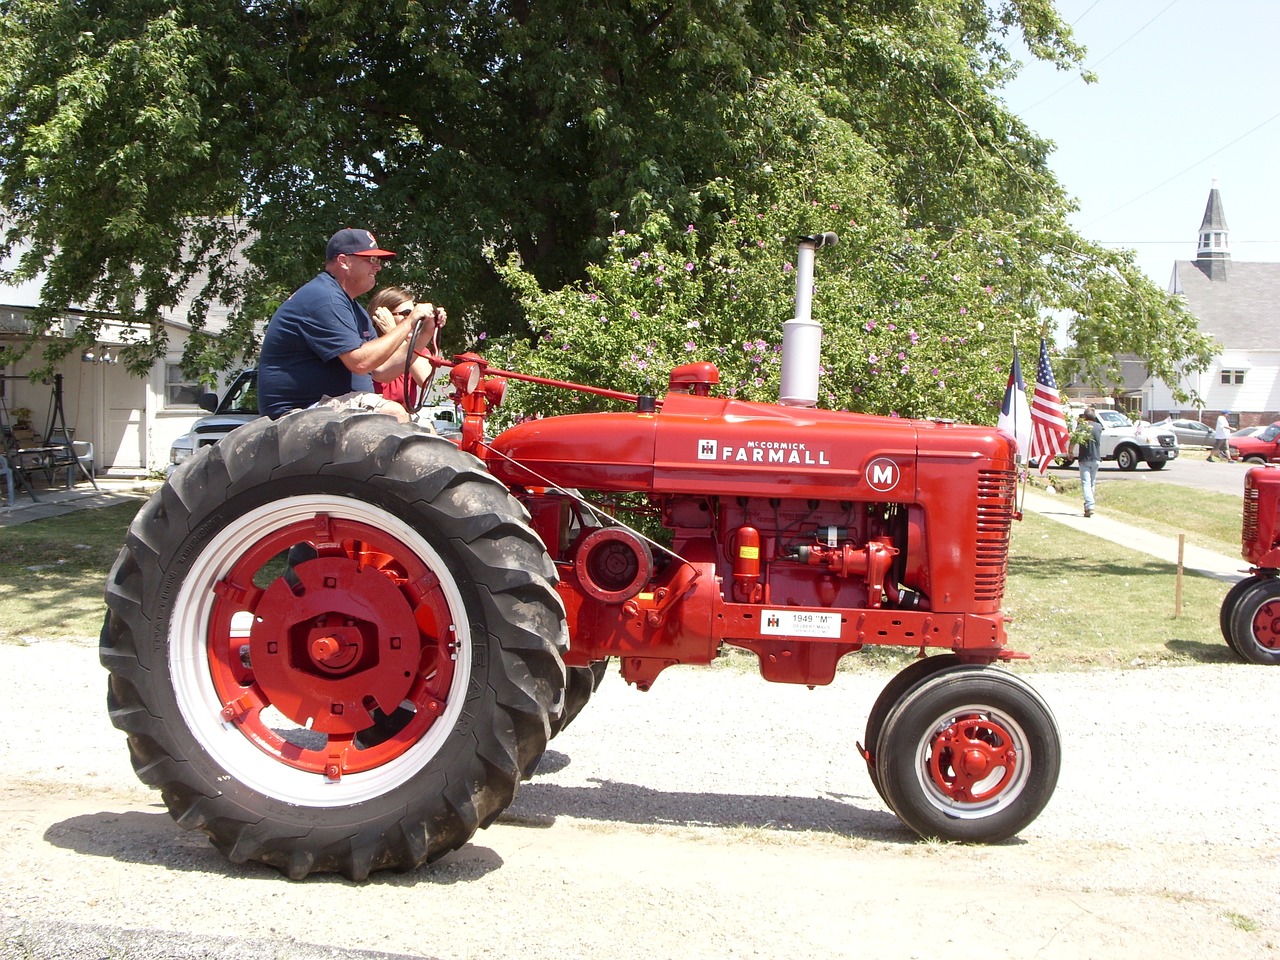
(802, 336)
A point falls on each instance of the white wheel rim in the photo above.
(198, 698)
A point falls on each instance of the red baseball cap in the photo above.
(354, 242)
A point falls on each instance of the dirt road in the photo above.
(717, 816)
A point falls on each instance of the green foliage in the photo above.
(148, 143)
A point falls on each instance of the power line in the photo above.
(1086, 13)
(1090, 66)
(1186, 169)
(1165, 243)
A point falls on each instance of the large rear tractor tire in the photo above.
(1255, 623)
(970, 754)
(334, 644)
(582, 683)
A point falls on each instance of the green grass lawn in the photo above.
(1076, 601)
(1210, 520)
(52, 572)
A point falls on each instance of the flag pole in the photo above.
(1021, 462)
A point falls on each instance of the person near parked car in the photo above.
(1221, 431)
(389, 306)
(1090, 442)
(321, 346)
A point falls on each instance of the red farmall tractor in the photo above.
(339, 644)
(1250, 614)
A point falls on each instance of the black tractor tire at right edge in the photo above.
(1228, 608)
(1254, 622)
(335, 645)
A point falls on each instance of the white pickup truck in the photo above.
(1129, 443)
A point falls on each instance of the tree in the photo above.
(145, 143)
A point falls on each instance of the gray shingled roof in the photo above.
(1242, 311)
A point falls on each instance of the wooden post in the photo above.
(1177, 593)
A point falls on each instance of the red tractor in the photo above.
(339, 644)
(1250, 614)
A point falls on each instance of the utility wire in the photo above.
(1086, 13)
(1090, 66)
(1186, 169)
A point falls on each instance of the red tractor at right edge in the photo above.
(1250, 614)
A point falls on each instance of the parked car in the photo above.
(1129, 443)
(1263, 447)
(1248, 431)
(1190, 433)
(239, 405)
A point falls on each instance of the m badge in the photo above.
(883, 474)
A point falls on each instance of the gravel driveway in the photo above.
(716, 816)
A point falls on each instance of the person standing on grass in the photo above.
(1221, 430)
(1090, 457)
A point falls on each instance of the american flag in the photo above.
(1049, 437)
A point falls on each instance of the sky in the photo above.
(1187, 92)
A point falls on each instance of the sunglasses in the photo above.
(405, 312)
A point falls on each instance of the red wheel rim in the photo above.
(972, 759)
(343, 666)
(1266, 625)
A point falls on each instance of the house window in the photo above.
(180, 390)
(1232, 376)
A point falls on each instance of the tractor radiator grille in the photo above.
(994, 516)
(1249, 526)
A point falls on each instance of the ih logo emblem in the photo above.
(883, 474)
(707, 449)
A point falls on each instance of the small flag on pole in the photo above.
(1015, 415)
(1049, 437)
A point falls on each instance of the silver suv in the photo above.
(238, 406)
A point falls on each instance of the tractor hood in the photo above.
(711, 445)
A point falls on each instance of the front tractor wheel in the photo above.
(1255, 622)
(1228, 609)
(970, 754)
(334, 645)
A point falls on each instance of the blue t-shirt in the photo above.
(299, 360)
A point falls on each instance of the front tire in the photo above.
(365, 702)
(971, 754)
(1228, 608)
(1255, 622)
(916, 672)
(1127, 458)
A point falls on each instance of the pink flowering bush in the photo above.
(916, 322)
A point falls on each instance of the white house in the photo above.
(1237, 303)
(130, 421)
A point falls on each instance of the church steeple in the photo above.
(1213, 252)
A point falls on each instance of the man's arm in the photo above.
(374, 354)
